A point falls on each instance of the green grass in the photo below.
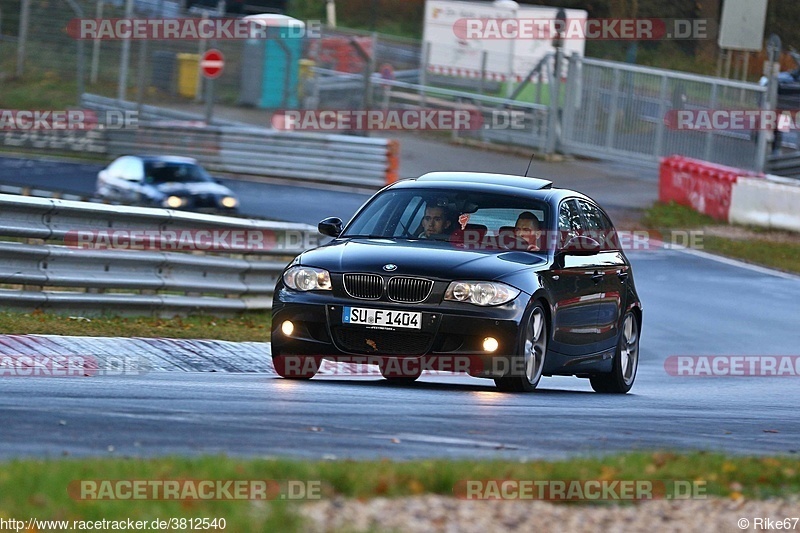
(675, 216)
(247, 327)
(760, 246)
(39, 488)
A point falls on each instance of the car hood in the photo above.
(193, 188)
(418, 258)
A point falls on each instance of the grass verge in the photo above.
(774, 249)
(247, 327)
(39, 488)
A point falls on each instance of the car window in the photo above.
(569, 221)
(597, 225)
(495, 218)
(411, 219)
(172, 172)
(471, 218)
(127, 168)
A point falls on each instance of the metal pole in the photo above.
(209, 100)
(198, 97)
(423, 72)
(81, 69)
(484, 60)
(141, 74)
(122, 87)
(331, 13)
(96, 47)
(23, 35)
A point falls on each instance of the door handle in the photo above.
(597, 277)
(622, 275)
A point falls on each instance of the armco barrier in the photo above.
(52, 270)
(705, 187)
(771, 203)
(256, 151)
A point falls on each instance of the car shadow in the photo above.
(438, 386)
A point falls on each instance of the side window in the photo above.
(569, 222)
(598, 226)
(131, 169)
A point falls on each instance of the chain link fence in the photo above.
(603, 109)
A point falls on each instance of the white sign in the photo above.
(455, 53)
(742, 26)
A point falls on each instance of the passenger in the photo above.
(528, 228)
(436, 222)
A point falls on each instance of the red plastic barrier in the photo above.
(338, 53)
(703, 186)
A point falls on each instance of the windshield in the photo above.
(465, 219)
(157, 172)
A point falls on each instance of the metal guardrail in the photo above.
(45, 268)
(241, 149)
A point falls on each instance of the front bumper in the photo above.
(450, 338)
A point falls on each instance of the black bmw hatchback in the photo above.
(502, 277)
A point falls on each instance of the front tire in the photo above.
(531, 356)
(296, 366)
(626, 361)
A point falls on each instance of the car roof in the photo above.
(507, 180)
(534, 188)
(166, 159)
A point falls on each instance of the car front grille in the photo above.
(380, 342)
(409, 290)
(399, 289)
(205, 201)
(363, 286)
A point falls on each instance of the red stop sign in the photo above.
(212, 64)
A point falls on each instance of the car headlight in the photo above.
(230, 202)
(482, 293)
(174, 202)
(303, 278)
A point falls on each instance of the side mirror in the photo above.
(331, 227)
(581, 245)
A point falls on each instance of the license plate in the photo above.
(381, 317)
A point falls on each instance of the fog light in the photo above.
(230, 202)
(287, 328)
(490, 344)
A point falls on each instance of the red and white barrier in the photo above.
(705, 187)
(730, 194)
(770, 203)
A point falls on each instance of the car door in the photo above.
(610, 264)
(577, 290)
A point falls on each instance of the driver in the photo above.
(435, 222)
(528, 228)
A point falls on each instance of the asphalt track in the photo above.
(617, 186)
(693, 305)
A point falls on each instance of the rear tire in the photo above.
(531, 355)
(626, 361)
(296, 366)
